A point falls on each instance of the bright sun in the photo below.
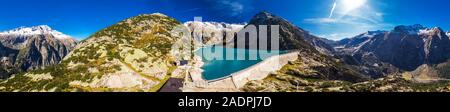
(350, 5)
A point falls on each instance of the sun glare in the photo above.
(350, 5)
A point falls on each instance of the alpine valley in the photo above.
(137, 55)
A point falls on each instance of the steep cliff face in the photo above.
(29, 48)
(43, 50)
(7, 54)
(291, 36)
(6, 64)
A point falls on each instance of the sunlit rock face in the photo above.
(29, 48)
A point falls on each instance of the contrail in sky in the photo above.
(332, 9)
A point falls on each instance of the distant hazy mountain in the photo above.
(132, 55)
(358, 40)
(213, 32)
(28, 48)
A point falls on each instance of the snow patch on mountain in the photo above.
(218, 26)
(36, 30)
(157, 14)
(213, 32)
(411, 29)
(425, 31)
(430, 31)
(371, 34)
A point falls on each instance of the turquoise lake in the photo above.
(221, 61)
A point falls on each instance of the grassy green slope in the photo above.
(132, 55)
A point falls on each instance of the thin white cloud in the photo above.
(336, 36)
(352, 21)
(332, 9)
(235, 7)
(320, 20)
(345, 27)
(343, 24)
(379, 14)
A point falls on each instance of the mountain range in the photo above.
(313, 50)
(394, 60)
(404, 48)
(136, 54)
(29, 48)
(213, 32)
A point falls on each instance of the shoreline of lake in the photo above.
(233, 81)
(220, 61)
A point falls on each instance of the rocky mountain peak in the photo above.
(159, 14)
(409, 29)
(266, 18)
(29, 48)
(370, 34)
(264, 14)
(432, 32)
(36, 30)
(214, 25)
(438, 30)
(154, 14)
(131, 55)
(42, 28)
(359, 40)
(376, 32)
(292, 37)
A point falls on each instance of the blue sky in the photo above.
(80, 18)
